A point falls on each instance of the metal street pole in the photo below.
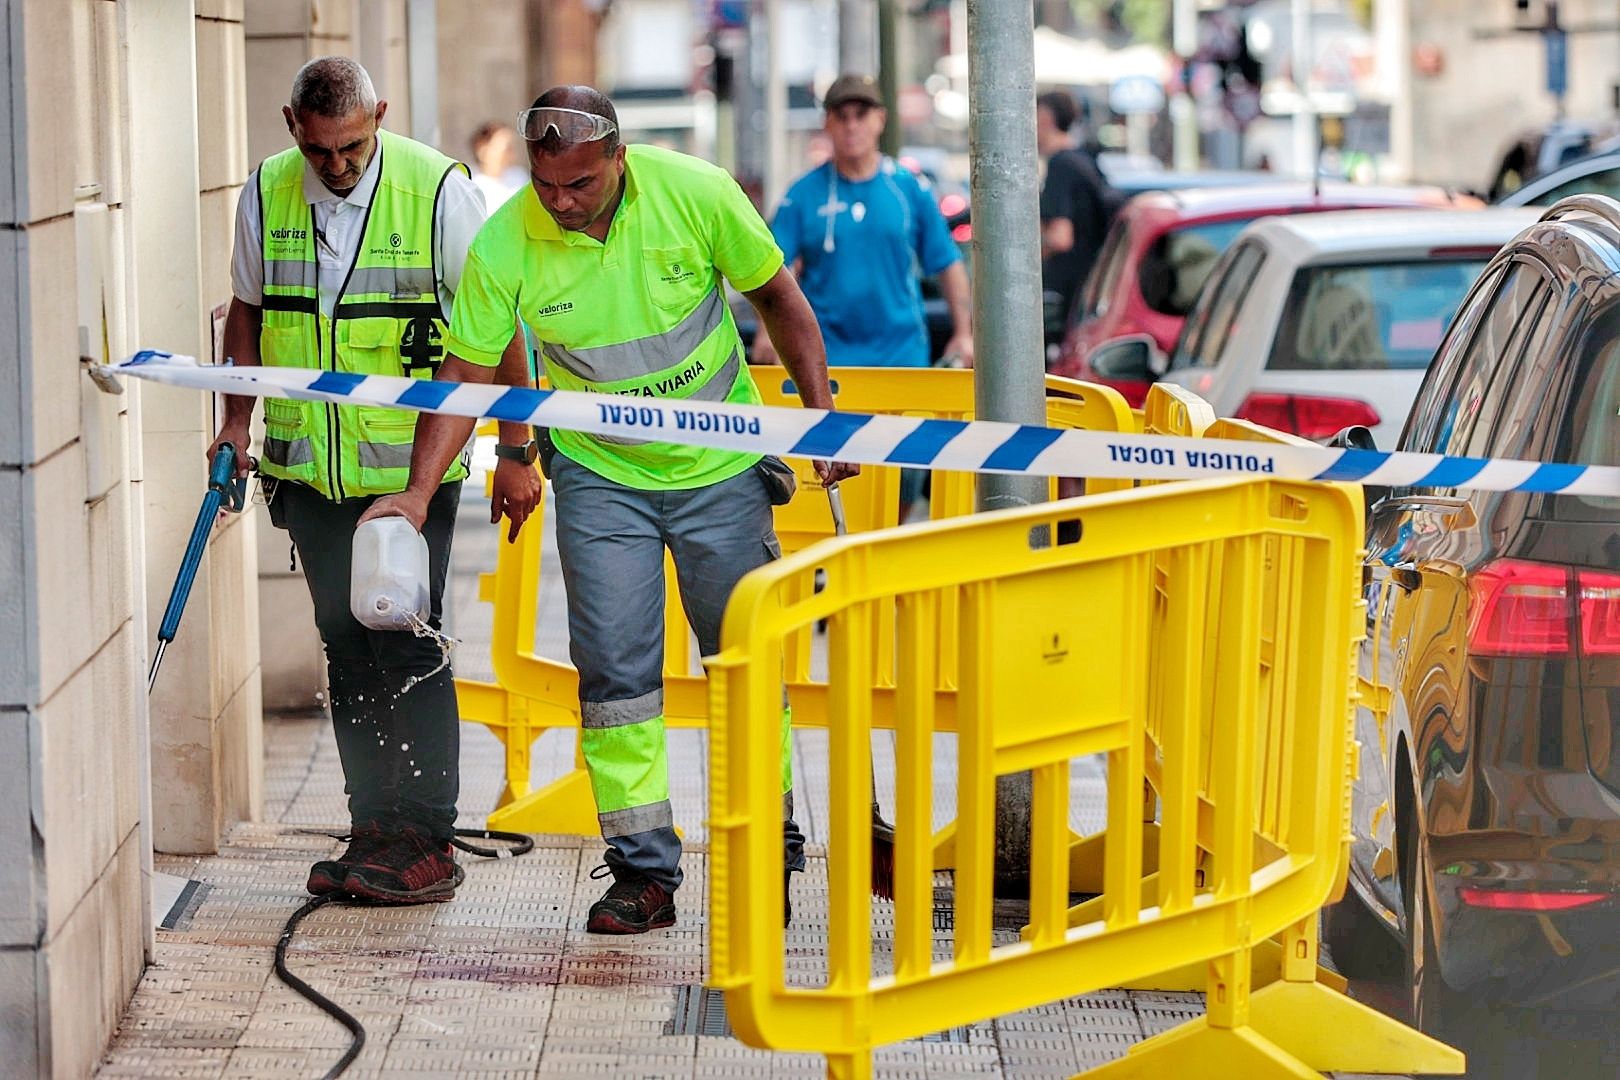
(748, 102)
(1392, 34)
(1183, 112)
(776, 163)
(857, 37)
(1305, 119)
(1009, 380)
(422, 55)
(1009, 372)
(888, 74)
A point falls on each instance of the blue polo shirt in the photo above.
(863, 247)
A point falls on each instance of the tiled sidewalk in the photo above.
(503, 982)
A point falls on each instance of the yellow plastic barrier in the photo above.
(1182, 655)
(532, 694)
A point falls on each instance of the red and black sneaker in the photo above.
(411, 868)
(632, 905)
(330, 875)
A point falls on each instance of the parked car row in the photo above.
(1314, 323)
(1160, 252)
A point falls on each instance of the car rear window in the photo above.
(1099, 287)
(1178, 263)
(1370, 316)
(1603, 182)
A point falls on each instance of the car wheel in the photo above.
(1358, 944)
(1431, 1002)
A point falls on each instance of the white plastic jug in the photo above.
(388, 575)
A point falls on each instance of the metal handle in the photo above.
(222, 485)
(835, 500)
(223, 479)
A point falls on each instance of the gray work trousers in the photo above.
(611, 540)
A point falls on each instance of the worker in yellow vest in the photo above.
(614, 257)
(349, 251)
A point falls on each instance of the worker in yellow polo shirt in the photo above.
(614, 257)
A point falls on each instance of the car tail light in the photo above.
(1600, 613)
(1519, 609)
(1529, 609)
(1307, 415)
(1522, 900)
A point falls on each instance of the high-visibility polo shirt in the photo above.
(643, 313)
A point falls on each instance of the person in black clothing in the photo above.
(1076, 202)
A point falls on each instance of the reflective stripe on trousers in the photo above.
(611, 540)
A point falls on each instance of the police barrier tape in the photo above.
(969, 446)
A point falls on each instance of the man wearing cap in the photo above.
(613, 257)
(860, 229)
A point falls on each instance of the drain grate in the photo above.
(699, 1010)
(185, 906)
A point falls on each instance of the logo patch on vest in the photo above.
(398, 247)
(560, 308)
(287, 240)
(677, 273)
(419, 346)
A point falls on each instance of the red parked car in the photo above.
(1159, 252)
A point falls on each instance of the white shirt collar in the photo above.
(317, 192)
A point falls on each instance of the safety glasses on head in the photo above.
(571, 125)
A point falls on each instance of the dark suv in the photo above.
(1486, 815)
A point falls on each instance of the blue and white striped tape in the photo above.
(968, 446)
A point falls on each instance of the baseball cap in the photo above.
(847, 88)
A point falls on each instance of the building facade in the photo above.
(126, 148)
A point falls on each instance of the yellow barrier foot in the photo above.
(1266, 957)
(1334, 1033)
(565, 805)
(1267, 960)
(1086, 859)
(1085, 856)
(1197, 1050)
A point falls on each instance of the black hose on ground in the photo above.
(331, 1008)
(519, 844)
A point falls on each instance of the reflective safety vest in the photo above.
(642, 314)
(386, 320)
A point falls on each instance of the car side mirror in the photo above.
(1358, 437)
(1133, 357)
(1354, 437)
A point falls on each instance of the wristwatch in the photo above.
(525, 453)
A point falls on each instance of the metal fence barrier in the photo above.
(533, 694)
(1200, 636)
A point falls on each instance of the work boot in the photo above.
(632, 905)
(329, 875)
(410, 868)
